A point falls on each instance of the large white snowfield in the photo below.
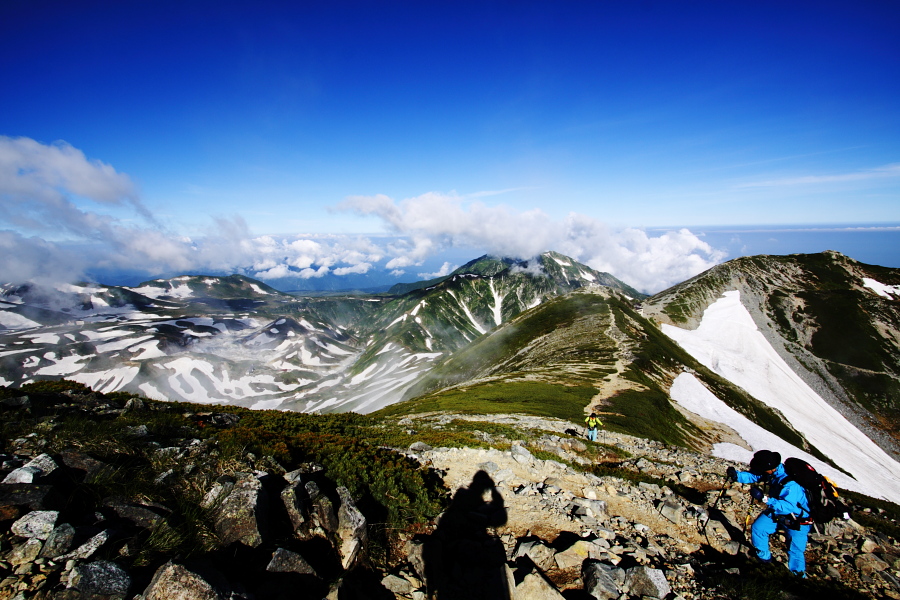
(728, 342)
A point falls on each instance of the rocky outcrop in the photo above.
(661, 523)
(241, 511)
(179, 582)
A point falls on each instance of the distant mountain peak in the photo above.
(563, 270)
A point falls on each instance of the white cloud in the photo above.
(891, 170)
(45, 190)
(359, 268)
(434, 222)
(445, 269)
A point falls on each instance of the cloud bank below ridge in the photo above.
(53, 200)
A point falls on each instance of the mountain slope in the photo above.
(825, 317)
(237, 340)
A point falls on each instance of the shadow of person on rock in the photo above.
(464, 558)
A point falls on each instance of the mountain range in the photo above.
(798, 352)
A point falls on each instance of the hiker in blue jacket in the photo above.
(786, 505)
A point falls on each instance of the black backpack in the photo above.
(824, 502)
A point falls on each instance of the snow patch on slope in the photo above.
(694, 396)
(11, 320)
(498, 303)
(728, 342)
(881, 289)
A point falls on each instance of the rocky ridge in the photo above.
(543, 514)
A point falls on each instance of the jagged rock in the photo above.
(869, 564)
(539, 553)
(101, 577)
(589, 508)
(40, 468)
(602, 581)
(17, 402)
(173, 581)
(241, 515)
(646, 581)
(351, 529)
(521, 455)
(285, 561)
(134, 405)
(83, 467)
(732, 548)
(397, 585)
(165, 478)
(671, 509)
(141, 515)
(303, 472)
(26, 552)
(868, 546)
(534, 586)
(322, 515)
(87, 549)
(59, 541)
(415, 555)
(138, 431)
(36, 524)
(296, 502)
(577, 553)
(218, 492)
(224, 419)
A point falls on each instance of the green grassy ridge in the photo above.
(501, 397)
(508, 339)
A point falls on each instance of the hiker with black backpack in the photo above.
(787, 506)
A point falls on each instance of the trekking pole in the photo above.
(712, 508)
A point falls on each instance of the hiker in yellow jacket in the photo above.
(592, 423)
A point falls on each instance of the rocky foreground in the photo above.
(527, 518)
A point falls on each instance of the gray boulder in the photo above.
(351, 529)
(87, 549)
(59, 541)
(241, 515)
(602, 581)
(534, 586)
(218, 492)
(415, 554)
(101, 578)
(539, 553)
(285, 561)
(40, 468)
(296, 503)
(397, 585)
(36, 524)
(25, 553)
(645, 581)
(178, 582)
(869, 564)
(323, 518)
(671, 509)
(521, 454)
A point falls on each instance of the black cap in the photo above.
(764, 461)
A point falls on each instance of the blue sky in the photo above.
(207, 126)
